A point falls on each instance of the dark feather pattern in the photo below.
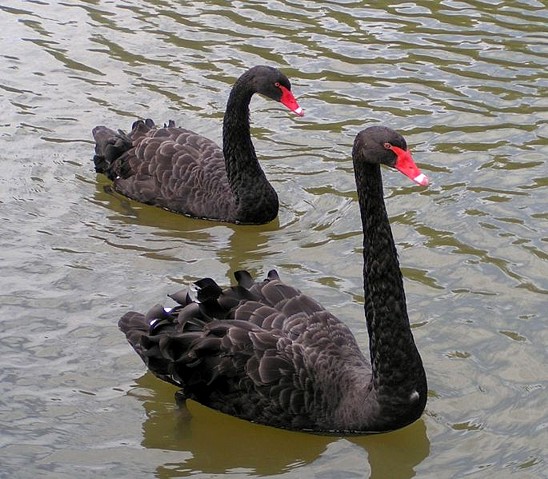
(265, 352)
(181, 171)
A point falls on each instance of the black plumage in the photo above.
(182, 171)
(265, 352)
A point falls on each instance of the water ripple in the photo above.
(465, 81)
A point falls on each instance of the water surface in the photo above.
(465, 81)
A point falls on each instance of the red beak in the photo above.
(406, 165)
(289, 101)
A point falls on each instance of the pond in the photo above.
(464, 81)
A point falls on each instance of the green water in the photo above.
(465, 81)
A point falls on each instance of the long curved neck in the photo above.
(396, 364)
(256, 199)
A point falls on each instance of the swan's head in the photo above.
(382, 145)
(272, 83)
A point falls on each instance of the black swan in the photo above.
(184, 172)
(265, 352)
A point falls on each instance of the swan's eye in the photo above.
(388, 146)
(277, 84)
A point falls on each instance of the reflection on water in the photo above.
(229, 243)
(465, 81)
(220, 444)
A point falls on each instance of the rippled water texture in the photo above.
(466, 82)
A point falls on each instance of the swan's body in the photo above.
(179, 170)
(267, 353)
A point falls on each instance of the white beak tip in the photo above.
(421, 179)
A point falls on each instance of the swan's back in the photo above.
(259, 351)
(170, 167)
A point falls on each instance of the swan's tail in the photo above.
(111, 146)
(137, 328)
(182, 345)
